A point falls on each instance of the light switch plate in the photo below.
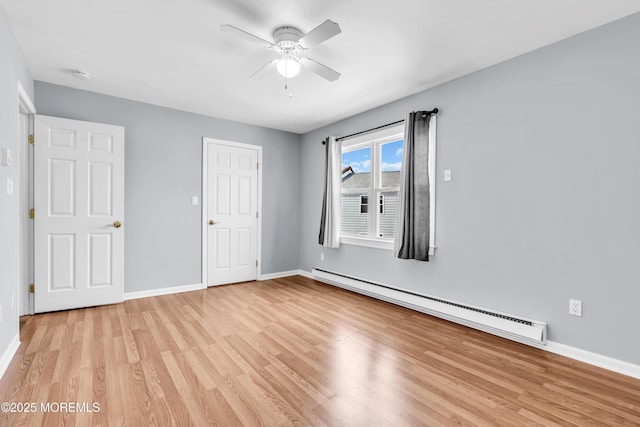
(194, 201)
(447, 174)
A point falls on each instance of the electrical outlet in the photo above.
(321, 256)
(575, 307)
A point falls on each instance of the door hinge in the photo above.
(32, 288)
(256, 214)
(256, 263)
(257, 166)
(31, 139)
(32, 213)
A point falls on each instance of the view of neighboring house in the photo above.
(355, 206)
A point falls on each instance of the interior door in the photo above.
(79, 214)
(232, 223)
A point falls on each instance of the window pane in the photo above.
(353, 222)
(387, 217)
(364, 204)
(359, 161)
(390, 162)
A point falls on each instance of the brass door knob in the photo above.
(117, 224)
(211, 222)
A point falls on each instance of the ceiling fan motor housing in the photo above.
(286, 38)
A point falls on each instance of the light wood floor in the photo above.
(296, 352)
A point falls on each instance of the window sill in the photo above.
(369, 243)
(376, 244)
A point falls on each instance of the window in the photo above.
(371, 171)
(364, 204)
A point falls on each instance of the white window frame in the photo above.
(374, 140)
(388, 135)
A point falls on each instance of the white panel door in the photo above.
(79, 214)
(232, 224)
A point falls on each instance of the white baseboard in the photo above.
(595, 359)
(163, 291)
(278, 275)
(285, 274)
(305, 274)
(7, 356)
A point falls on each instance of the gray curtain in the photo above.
(330, 219)
(412, 226)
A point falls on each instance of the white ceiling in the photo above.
(172, 53)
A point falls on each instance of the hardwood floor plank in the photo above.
(294, 351)
(221, 360)
(114, 401)
(199, 364)
(185, 389)
(600, 404)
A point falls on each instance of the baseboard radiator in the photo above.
(526, 331)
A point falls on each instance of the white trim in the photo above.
(203, 209)
(595, 359)
(205, 201)
(163, 291)
(24, 298)
(203, 213)
(278, 275)
(25, 100)
(8, 354)
(373, 140)
(305, 273)
(286, 274)
(605, 362)
(367, 242)
(533, 334)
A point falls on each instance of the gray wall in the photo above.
(163, 170)
(544, 204)
(12, 69)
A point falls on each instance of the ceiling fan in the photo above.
(291, 44)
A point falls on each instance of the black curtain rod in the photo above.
(434, 111)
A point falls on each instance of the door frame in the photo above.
(25, 193)
(204, 200)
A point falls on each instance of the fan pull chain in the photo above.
(286, 74)
(286, 87)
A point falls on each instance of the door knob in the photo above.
(211, 222)
(117, 224)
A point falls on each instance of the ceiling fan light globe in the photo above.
(288, 67)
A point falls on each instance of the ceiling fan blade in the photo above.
(268, 68)
(247, 36)
(322, 32)
(321, 70)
